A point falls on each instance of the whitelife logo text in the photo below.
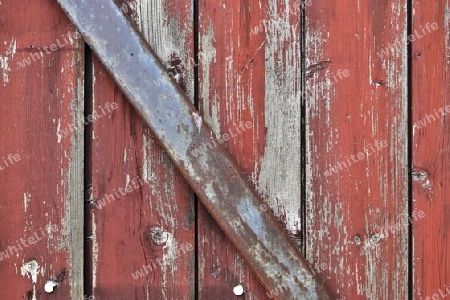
(222, 138)
(9, 161)
(33, 239)
(38, 54)
(411, 38)
(349, 161)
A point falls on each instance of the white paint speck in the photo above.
(50, 286)
(238, 290)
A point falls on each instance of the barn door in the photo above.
(348, 147)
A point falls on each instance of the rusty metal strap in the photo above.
(212, 174)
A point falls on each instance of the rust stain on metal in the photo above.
(212, 173)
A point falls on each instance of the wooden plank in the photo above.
(41, 215)
(149, 228)
(250, 71)
(358, 125)
(431, 144)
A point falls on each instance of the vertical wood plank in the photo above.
(357, 124)
(149, 227)
(431, 146)
(41, 202)
(250, 71)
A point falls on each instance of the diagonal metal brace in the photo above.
(212, 174)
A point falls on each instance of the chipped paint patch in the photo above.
(94, 253)
(210, 103)
(447, 30)
(127, 181)
(146, 161)
(197, 120)
(26, 200)
(30, 269)
(170, 254)
(178, 29)
(70, 237)
(279, 174)
(5, 60)
(58, 131)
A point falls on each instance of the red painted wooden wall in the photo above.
(349, 146)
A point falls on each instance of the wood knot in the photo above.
(158, 235)
(421, 176)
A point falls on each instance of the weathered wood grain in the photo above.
(250, 71)
(350, 211)
(431, 145)
(41, 195)
(153, 224)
